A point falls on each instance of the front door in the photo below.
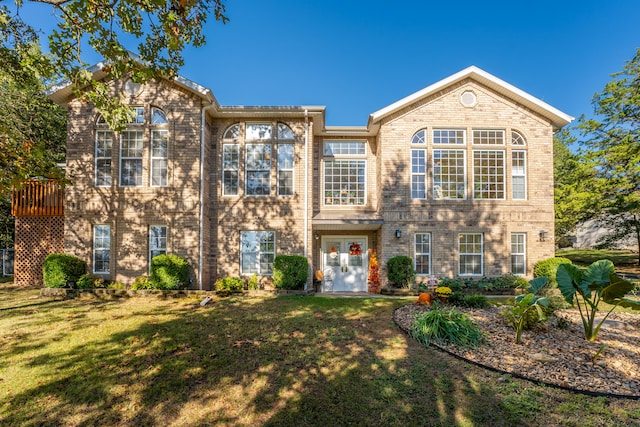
(345, 263)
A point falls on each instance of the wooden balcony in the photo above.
(38, 198)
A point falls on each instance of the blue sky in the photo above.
(358, 56)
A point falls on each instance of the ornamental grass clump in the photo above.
(446, 326)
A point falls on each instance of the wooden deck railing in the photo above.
(38, 198)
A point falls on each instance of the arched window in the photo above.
(159, 148)
(158, 117)
(518, 167)
(419, 137)
(285, 133)
(419, 166)
(232, 132)
(517, 138)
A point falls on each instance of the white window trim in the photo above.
(324, 188)
(504, 175)
(424, 137)
(141, 158)
(460, 254)
(524, 174)
(334, 156)
(237, 170)
(291, 169)
(447, 144)
(166, 242)
(416, 253)
(95, 227)
(473, 137)
(275, 252)
(523, 254)
(423, 175)
(247, 170)
(152, 158)
(96, 158)
(465, 177)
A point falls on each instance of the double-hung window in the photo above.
(419, 166)
(257, 252)
(101, 248)
(104, 145)
(258, 168)
(518, 254)
(157, 241)
(230, 167)
(159, 157)
(449, 177)
(131, 148)
(470, 254)
(285, 169)
(519, 175)
(344, 173)
(422, 253)
(488, 174)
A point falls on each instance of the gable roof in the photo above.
(557, 118)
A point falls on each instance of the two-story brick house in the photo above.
(458, 176)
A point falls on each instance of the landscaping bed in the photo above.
(555, 352)
(127, 293)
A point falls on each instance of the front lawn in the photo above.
(254, 361)
(625, 261)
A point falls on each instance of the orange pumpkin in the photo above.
(424, 299)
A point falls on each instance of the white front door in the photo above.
(345, 263)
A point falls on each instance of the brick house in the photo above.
(458, 176)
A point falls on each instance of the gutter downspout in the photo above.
(202, 198)
(306, 187)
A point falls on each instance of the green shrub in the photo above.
(548, 268)
(169, 272)
(60, 270)
(229, 284)
(400, 271)
(141, 282)
(118, 285)
(253, 284)
(456, 299)
(90, 281)
(444, 326)
(290, 271)
(456, 284)
(476, 301)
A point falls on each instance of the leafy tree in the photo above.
(613, 145)
(162, 30)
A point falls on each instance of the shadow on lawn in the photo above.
(274, 361)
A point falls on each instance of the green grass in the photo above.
(6, 279)
(584, 257)
(253, 361)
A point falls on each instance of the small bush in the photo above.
(290, 271)
(141, 282)
(400, 271)
(118, 285)
(444, 326)
(58, 270)
(476, 301)
(457, 299)
(456, 284)
(253, 284)
(548, 268)
(229, 284)
(169, 272)
(90, 281)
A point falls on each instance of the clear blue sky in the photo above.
(357, 56)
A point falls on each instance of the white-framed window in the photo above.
(230, 168)
(344, 148)
(519, 175)
(257, 252)
(157, 241)
(159, 157)
(422, 252)
(449, 136)
(258, 170)
(488, 174)
(488, 137)
(285, 133)
(344, 182)
(158, 117)
(517, 139)
(419, 137)
(449, 174)
(259, 132)
(285, 169)
(470, 254)
(418, 174)
(138, 116)
(519, 254)
(101, 248)
(232, 132)
(104, 145)
(131, 147)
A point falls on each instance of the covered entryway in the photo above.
(345, 263)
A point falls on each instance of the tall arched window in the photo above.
(159, 148)
(103, 153)
(419, 165)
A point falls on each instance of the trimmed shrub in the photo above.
(400, 271)
(253, 284)
(229, 284)
(141, 282)
(444, 326)
(455, 284)
(58, 270)
(90, 281)
(169, 272)
(290, 271)
(548, 268)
